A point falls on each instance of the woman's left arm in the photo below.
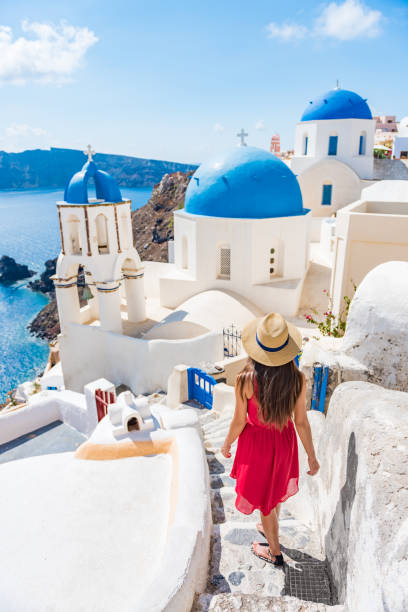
(237, 424)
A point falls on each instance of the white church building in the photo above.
(243, 230)
(241, 249)
(333, 153)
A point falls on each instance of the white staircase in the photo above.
(238, 580)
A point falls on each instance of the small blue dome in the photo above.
(245, 183)
(337, 104)
(76, 191)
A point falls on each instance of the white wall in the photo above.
(88, 353)
(44, 408)
(348, 132)
(363, 241)
(250, 241)
(346, 186)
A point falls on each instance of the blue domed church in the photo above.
(243, 229)
(333, 154)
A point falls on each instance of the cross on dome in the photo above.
(89, 152)
(242, 135)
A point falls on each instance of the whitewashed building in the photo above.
(243, 230)
(371, 231)
(333, 152)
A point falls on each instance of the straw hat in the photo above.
(271, 340)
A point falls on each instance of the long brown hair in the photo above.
(278, 388)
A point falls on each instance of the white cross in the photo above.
(89, 152)
(242, 134)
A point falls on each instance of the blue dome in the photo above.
(76, 192)
(337, 104)
(245, 183)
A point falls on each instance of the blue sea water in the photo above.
(29, 232)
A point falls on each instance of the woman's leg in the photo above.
(259, 526)
(271, 529)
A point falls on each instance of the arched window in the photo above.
(224, 262)
(305, 144)
(327, 192)
(101, 223)
(124, 232)
(184, 253)
(333, 142)
(74, 235)
(362, 144)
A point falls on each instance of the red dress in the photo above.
(266, 465)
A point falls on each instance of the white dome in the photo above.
(403, 127)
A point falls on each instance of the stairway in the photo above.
(238, 580)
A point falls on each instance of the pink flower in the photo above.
(324, 290)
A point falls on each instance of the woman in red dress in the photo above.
(270, 396)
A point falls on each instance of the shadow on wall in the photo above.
(337, 537)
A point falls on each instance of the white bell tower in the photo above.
(96, 233)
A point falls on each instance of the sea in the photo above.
(29, 232)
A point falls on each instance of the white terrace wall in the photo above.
(375, 345)
(88, 353)
(358, 502)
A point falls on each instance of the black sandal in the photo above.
(278, 562)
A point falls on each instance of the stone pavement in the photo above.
(237, 579)
(57, 437)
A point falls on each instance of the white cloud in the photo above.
(23, 130)
(218, 128)
(260, 125)
(339, 20)
(46, 54)
(348, 20)
(286, 31)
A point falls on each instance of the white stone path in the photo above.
(238, 580)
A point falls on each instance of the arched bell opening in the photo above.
(73, 235)
(102, 236)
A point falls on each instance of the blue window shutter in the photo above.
(327, 195)
(361, 148)
(306, 143)
(333, 145)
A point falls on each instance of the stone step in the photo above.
(217, 481)
(218, 464)
(225, 420)
(231, 602)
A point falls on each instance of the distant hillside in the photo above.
(54, 167)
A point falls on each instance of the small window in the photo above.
(333, 140)
(327, 195)
(305, 144)
(273, 263)
(362, 145)
(224, 262)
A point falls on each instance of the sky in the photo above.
(177, 80)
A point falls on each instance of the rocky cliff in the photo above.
(54, 167)
(153, 223)
(152, 229)
(11, 271)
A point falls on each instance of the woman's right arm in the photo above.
(304, 431)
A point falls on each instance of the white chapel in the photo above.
(333, 155)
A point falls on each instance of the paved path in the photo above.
(56, 437)
(237, 579)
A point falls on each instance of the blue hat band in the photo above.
(271, 350)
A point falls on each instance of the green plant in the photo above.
(330, 325)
